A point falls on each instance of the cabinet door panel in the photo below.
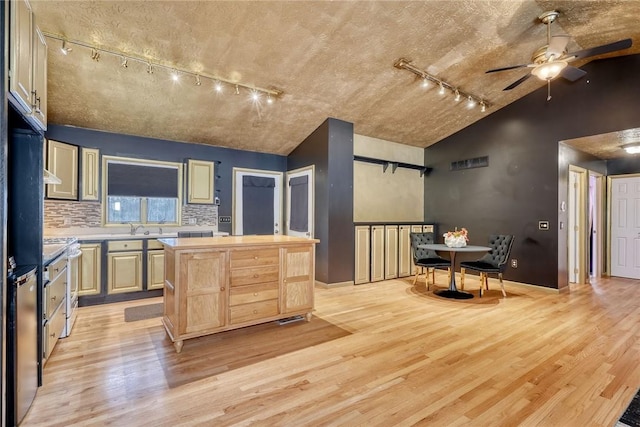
(155, 269)
(62, 161)
(89, 269)
(391, 251)
(90, 173)
(377, 253)
(363, 265)
(298, 279)
(404, 251)
(204, 276)
(201, 178)
(21, 83)
(125, 272)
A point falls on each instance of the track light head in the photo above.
(65, 49)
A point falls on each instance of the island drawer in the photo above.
(154, 244)
(250, 276)
(255, 257)
(256, 310)
(253, 293)
(125, 245)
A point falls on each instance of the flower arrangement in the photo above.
(456, 238)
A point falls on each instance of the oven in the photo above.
(73, 279)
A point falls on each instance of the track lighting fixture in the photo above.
(65, 49)
(175, 73)
(426, 79)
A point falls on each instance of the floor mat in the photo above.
(631, 416)
(142, 312)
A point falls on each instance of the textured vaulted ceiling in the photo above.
(330, 59)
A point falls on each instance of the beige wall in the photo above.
(385, 196)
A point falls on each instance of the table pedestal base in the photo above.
(448, 293)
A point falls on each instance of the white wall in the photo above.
(385, 196)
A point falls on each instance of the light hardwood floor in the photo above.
(385, 354)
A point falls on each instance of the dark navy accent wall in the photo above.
(156, 149)
(520, 186)
(624, 166)
(3, 208)
(330, 149)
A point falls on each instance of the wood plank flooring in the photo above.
(379, 354)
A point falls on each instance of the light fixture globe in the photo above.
(549, 70)
(633, 148)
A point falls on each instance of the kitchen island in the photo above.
(215, 284)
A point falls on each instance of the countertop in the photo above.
(231, 241)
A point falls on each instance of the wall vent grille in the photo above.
(476, 162)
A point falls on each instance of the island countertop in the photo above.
(232, 241)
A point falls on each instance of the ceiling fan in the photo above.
(552, 60)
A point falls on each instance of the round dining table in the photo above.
(453, 291)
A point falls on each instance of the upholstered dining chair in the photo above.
(494, 262)
(426, 258)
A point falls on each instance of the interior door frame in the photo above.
(236, 213)
(599, 226)
(610, 179)
(582, 221)
(311, 170)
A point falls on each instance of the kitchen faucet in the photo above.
(135, 228)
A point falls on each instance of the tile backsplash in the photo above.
(72, 214)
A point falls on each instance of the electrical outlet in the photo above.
(66, 221)
(514, 263)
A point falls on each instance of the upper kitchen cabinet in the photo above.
(90, 173)
(62, 161)
(27, 65)
(201, 178)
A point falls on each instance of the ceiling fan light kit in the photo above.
(552, 60)
(633, 148)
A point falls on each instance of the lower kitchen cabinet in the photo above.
(89, 269)
(155, 269)
(298, 278)
(54, 304)
(377, 253)
(363, 248)
(124, 272)
(390, 252)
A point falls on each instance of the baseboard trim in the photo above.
(334, 285)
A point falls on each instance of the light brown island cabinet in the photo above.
(215, 284)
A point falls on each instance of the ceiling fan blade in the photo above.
(600, 50)
(572, 73)
(517, 82)
(512, 67)
(557, 46)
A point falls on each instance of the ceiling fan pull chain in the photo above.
(548, 90)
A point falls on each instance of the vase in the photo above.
(455, 242)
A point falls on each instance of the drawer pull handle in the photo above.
(126, 246)
(53, 334)
(221, 289)
(255, 276)
(255, 311)
(255, 294)
(255, 257)
(53, 298)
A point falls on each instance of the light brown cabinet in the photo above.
(377, 253)
(62, 161)
(362, 255)
(201, 179)
(404, 251)
(54, 304)
(390, 252)
(221, 283)
(90, 173)
(155, 269)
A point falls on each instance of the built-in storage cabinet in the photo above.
(124, 266)
(89, 269)
(90, 173)
(377, 253)
(21, 59)
(200, 182)
(62, 161)
(390, 252)
(383, 252)
(363, 251)
(54, 303)
(404, 251)
(27, 65)
(155, 265)
(233, 282)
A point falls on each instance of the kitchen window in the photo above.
(141, 191)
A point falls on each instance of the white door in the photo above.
(300, 202)
(257, 202)
(625, 227)
(574, 221)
